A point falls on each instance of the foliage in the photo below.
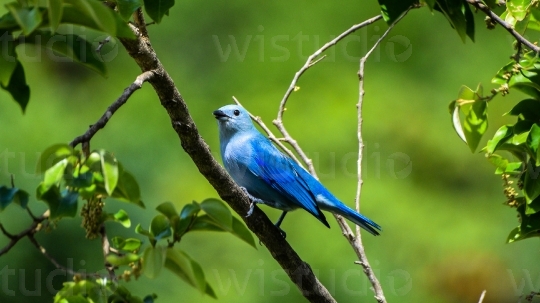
(39, 23)
(70, 176)
(520, 141)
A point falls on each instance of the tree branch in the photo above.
(299, 271)
(94, 128)
(356, 242)
(481, 6)
(482, 295)
(29, 232)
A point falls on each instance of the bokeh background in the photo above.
(440, 205)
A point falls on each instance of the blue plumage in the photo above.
(272, 178)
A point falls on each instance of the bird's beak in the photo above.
(220, 115)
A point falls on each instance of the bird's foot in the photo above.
(253, 201)
(251, 208)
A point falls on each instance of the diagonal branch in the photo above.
(94, 128)
(298, 271)
(484, 8)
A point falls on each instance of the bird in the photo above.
(270, 177)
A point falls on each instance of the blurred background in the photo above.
(440, 205)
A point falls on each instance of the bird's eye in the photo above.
(236, 112)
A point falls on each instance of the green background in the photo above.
(444, 225)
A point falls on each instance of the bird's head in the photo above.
(233, 118)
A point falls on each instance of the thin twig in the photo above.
(481, 6)
(102, 43)
(56, 263)
(482, 296)
(278, 122)
(30, 231)
(270, 134)
(357, 242)
(94, 128)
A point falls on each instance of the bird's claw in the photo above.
(251, 208)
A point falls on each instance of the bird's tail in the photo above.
(339, 208)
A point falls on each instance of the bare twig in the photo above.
(102, 43)
(309, 63)
(356, 242)
(482, 295)
(29, 232)
(94, 128)
(481, 6)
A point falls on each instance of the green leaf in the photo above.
(141, 231)
(127, 189)
(218, 211)
(8, 23)
(28, 18)
(529, 109)
(55, 174)
(529, 227)
(73, 47)
(80, 291)
(62, 204)
(160, 227)
(531, 183)
(156, 9)
(459, 14)
(392, 9)
(15, 195)
(130, 244)
(17, 86)
(501, 136)
(168, 209)
(52, 155)
(475, 124)
(205, 223)
(124, 259)
(518, 8)
(190, 210)
(533, 141)
(8, 59)
(153, 260)
(121, 217)
(504, 166)
(188, 270)
(242, 232)
(109, 169)
(127, 7)
(100, 14)
(55, 9)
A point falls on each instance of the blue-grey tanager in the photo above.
(270, 177)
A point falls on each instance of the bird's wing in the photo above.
(280, 172)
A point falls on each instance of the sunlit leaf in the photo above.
(124, 259)
(109, 169)
(55, 174)
(127, 189)
(121, 217)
